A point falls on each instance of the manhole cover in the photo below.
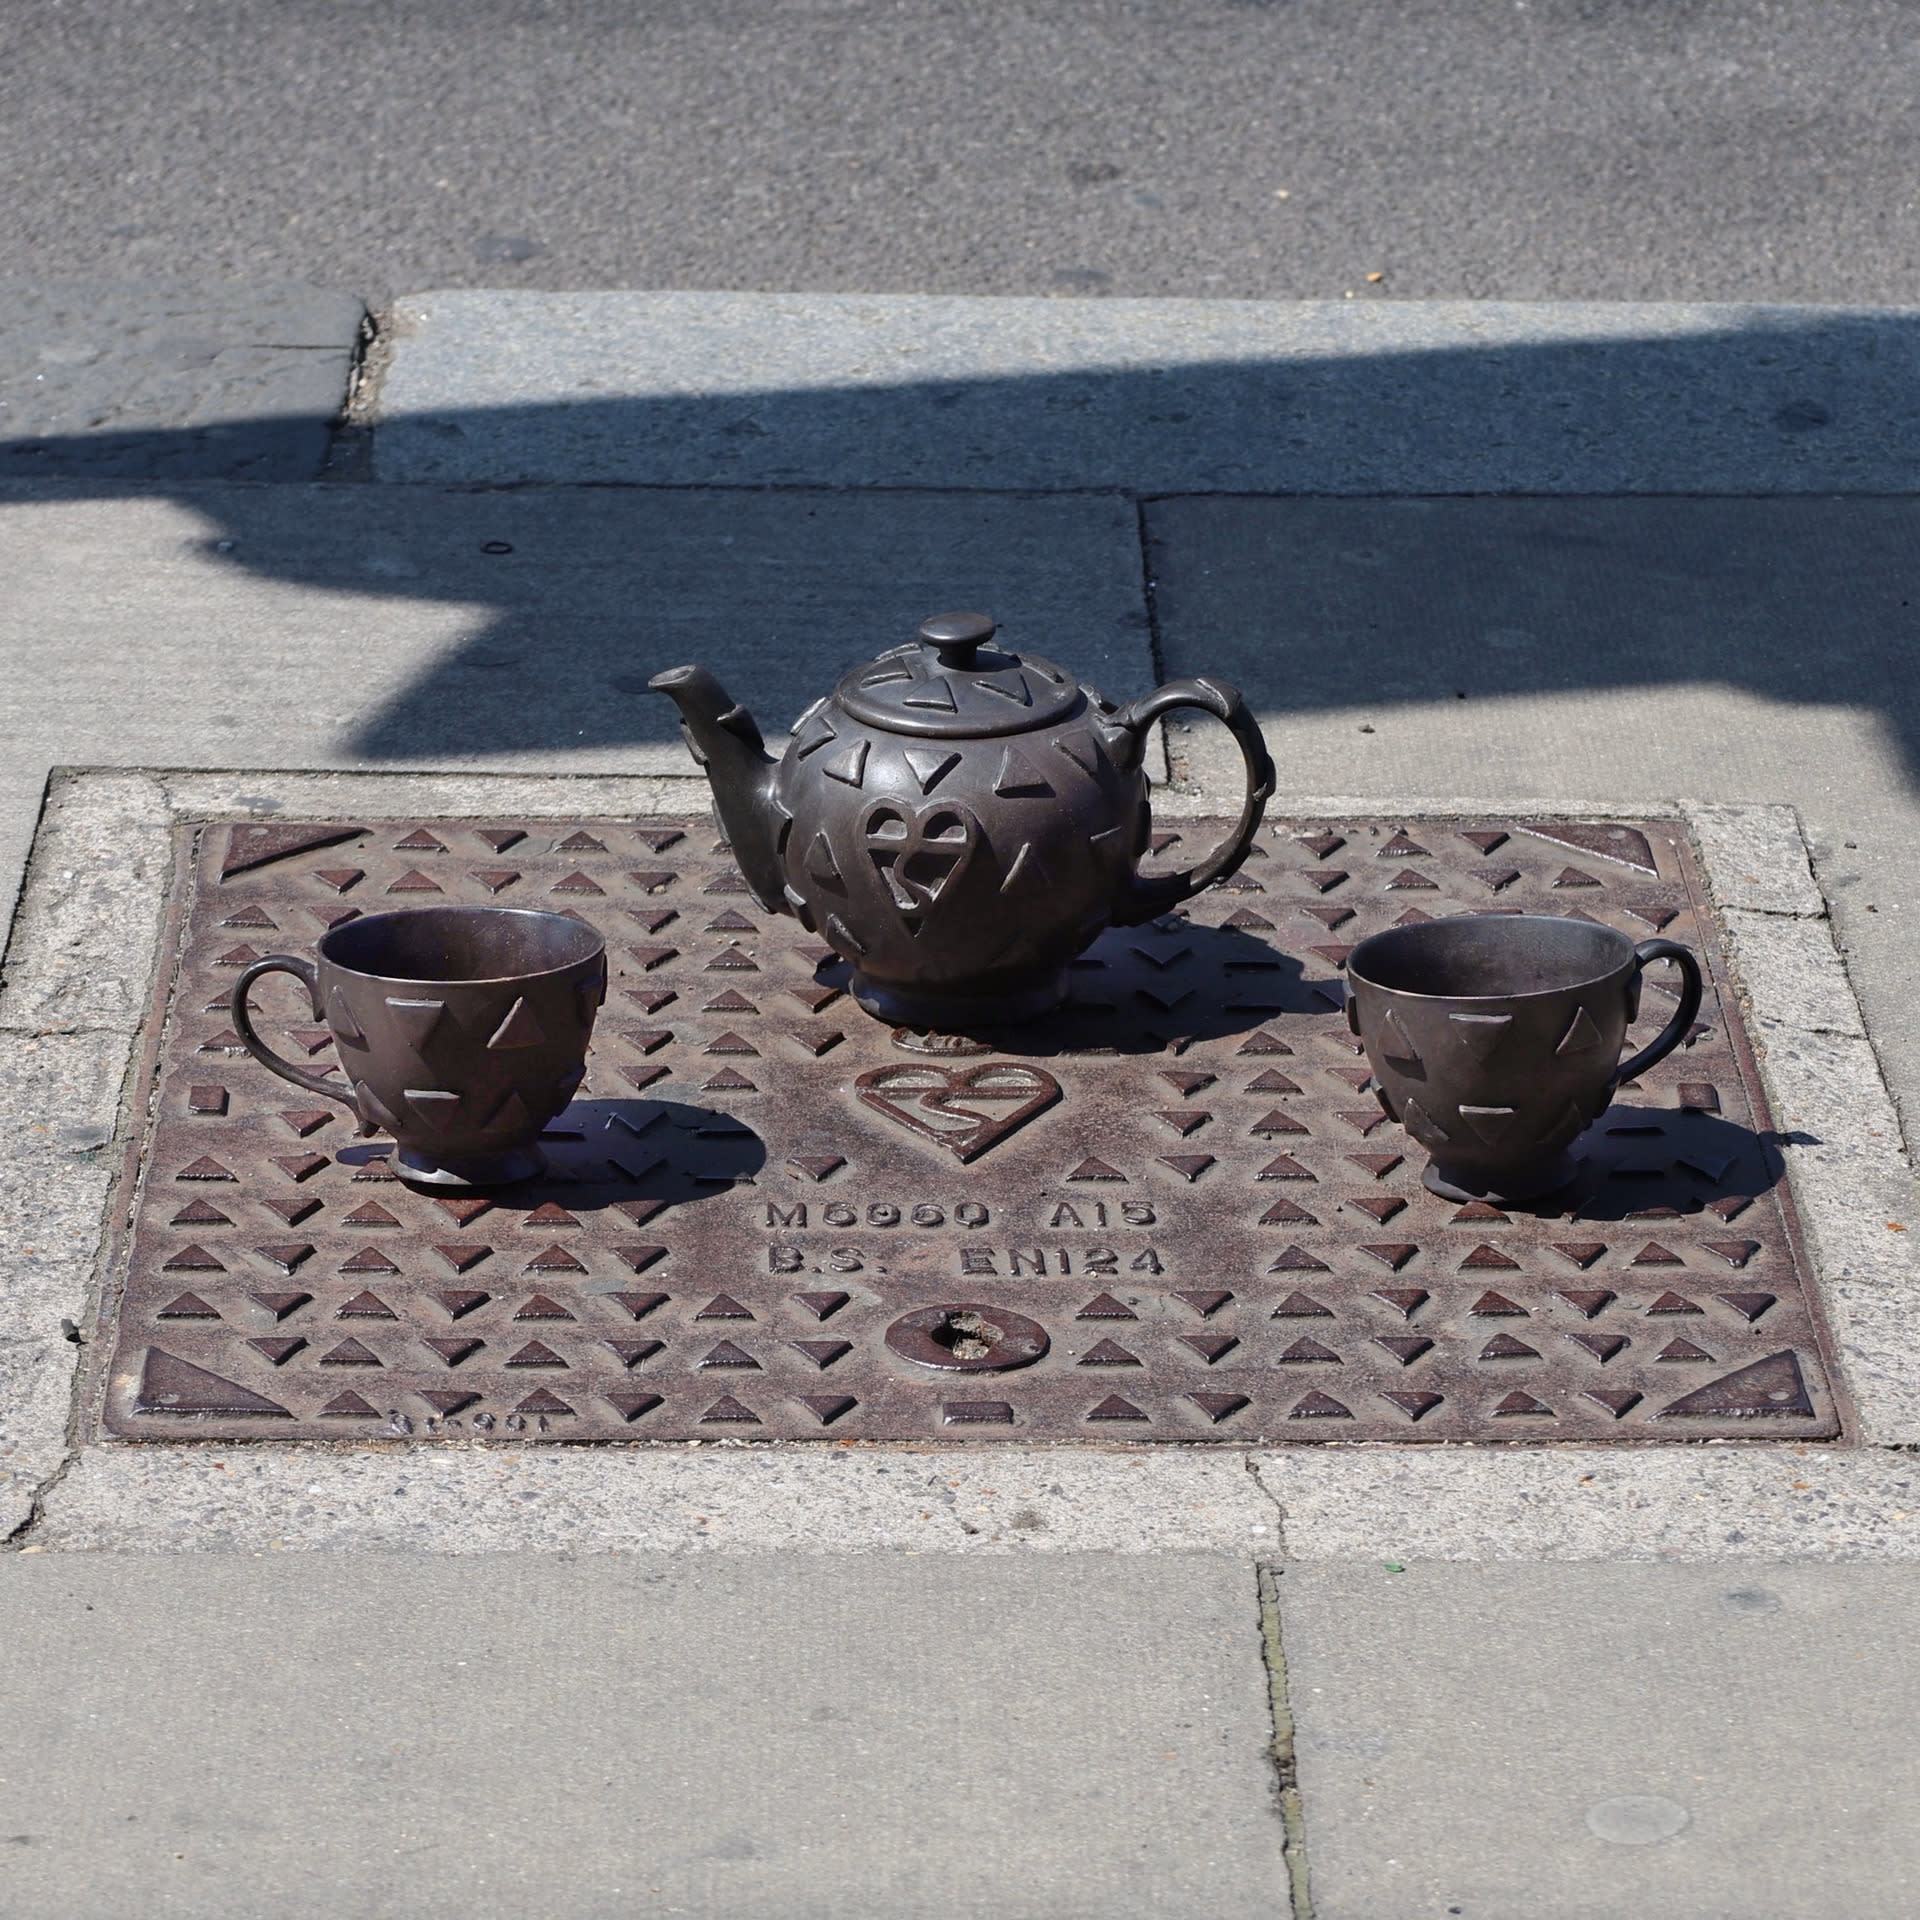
(1172, 1214)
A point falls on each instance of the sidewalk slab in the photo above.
(346, 1737)
(172, 380)
(1601, 1742)
(1147, 396)
(339, 625)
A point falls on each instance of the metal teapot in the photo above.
(956, 820)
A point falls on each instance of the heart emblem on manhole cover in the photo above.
(965, 1110)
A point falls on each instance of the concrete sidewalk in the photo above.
(1080, 1733)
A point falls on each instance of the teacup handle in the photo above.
(1675, 1030)
(1152, 894)
(305, 972)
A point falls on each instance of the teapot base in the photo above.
(1025, 997)
(1532, 1182)
(487, 1170)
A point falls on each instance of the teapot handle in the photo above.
(1152, 894)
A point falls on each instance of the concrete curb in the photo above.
(172, 380)
(84, 949)
(1146, 396)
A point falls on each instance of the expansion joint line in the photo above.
(1285, 1770)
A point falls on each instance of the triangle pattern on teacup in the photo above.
(519, 1028)
(373, 1109)
(511, 1115)
(1422, 1125)
(1480, 1032)
(1581, 1035)
(1396, 1043)
(346, 1029)
(416, 1019)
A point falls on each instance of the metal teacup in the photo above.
(1495, 1040)
(461, 1031)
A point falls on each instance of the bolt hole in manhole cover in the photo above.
(1172, 1213)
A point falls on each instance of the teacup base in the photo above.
(490, 1170)
(1522, 1183)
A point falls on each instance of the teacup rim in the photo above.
(1539, 993)
(461, 907)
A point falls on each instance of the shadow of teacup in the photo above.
(1640, 1162)
(602, 1152)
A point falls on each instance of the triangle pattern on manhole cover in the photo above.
(1627, 845)
(1210, 1346)
(1320, 1406)
(826, 1407)
(1617, 1401)
(169, 1384)
(1485, 1258)
(1524, 1404)
(1302, 1306)
(1405, 1301)
(631, 1406)
(1189, 1166)
(1587, 1301)
(250, 846)
(1493, 1306)
(823, 1353)
(1405, 1347)
(1204, 1302)
(1283, 1213)
(447, 1400)
(1414, 1405)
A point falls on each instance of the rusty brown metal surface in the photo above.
(1169, 1214)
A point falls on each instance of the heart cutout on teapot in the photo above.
(964, 1109)
(918, 852)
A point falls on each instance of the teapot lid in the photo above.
(953, 683)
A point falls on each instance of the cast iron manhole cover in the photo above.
(1172, 1214)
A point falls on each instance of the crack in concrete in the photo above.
(1250, 1462)
(1286, 1773)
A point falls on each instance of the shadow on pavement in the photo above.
(789, 549)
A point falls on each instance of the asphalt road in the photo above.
(1524, 149)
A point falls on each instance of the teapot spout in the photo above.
(722, 736)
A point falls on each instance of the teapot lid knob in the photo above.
(956, 637)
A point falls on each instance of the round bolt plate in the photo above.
(968, 1339)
